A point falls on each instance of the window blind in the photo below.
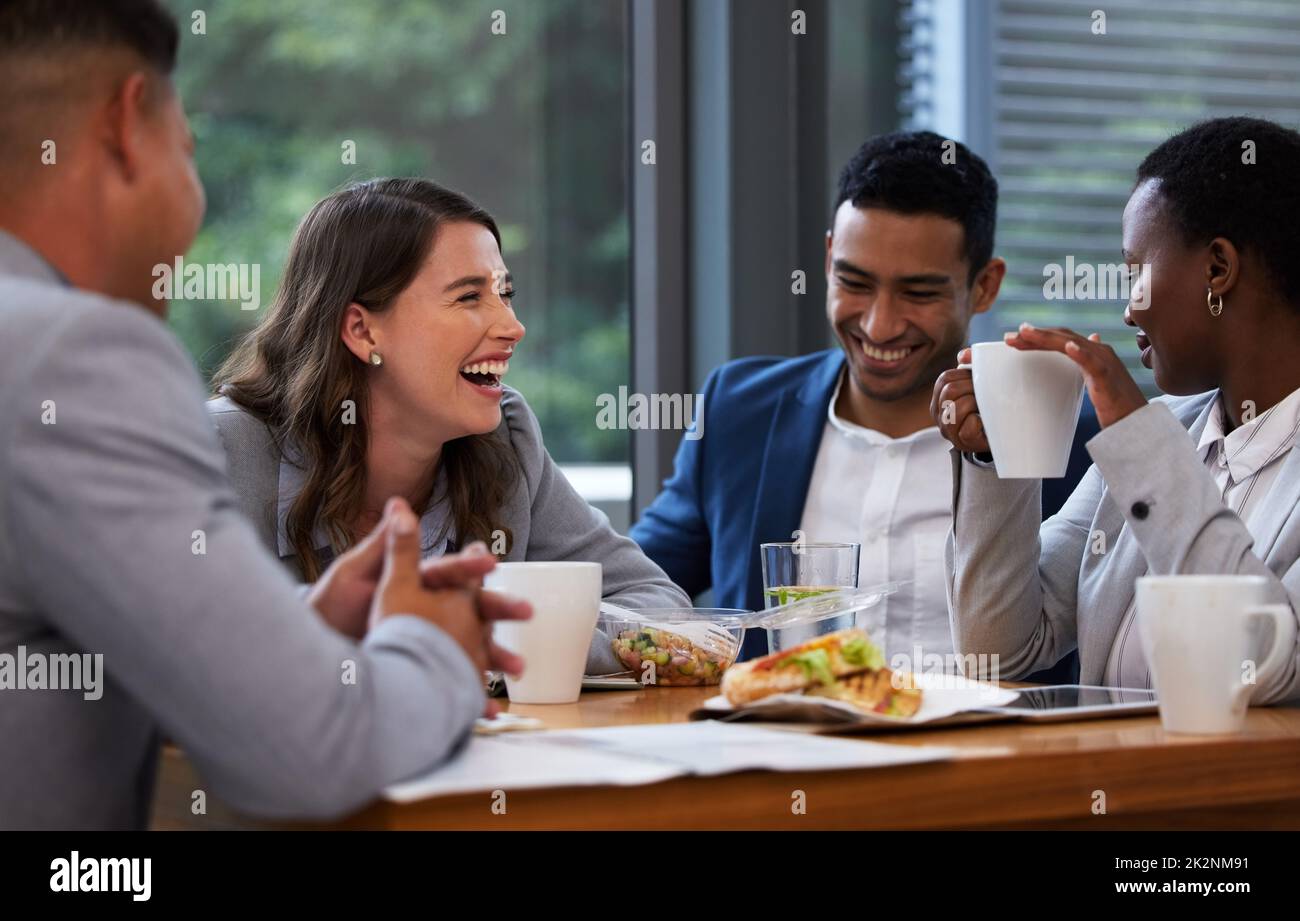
(1066, 112)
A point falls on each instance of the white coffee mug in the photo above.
(566, 602)
(1029, 403)
(1203, 641)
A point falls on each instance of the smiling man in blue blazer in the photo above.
(840, 445)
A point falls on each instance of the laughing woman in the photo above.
(377, 372)
(1206, 481)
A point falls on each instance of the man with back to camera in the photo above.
(120, 536)
(840, 445)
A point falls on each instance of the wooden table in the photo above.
(1005, 775)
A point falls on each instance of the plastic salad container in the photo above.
(675, 647)
(689, 647)
(788, 625)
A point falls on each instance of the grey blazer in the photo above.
(121, 537)
(1031, 594)
(546, 516)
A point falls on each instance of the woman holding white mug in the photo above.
(1217, 307)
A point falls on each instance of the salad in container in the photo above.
(675, 647)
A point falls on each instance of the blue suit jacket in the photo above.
(744, 482)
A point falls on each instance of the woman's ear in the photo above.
(356, 331)
(1223, 265)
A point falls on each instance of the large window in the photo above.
(524, 112)
(536, 116)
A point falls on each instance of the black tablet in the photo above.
(1077, 702)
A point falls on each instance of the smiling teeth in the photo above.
(885, 354)
(487, 367)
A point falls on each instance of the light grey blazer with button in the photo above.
(120, 537)
(1031, 594)
(545, 514)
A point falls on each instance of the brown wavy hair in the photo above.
(364, 244)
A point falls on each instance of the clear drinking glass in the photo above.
(792, 571)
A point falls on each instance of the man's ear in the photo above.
(124, 123)
(987, 284)
(829, 241)
(356, 332)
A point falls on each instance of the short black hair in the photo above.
(53, 26)
(920, 172)
(1210, 192)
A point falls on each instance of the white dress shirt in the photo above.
(1245, 462)
(894, 497)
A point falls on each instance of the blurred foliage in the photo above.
(530, 124)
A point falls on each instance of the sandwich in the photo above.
(843, 666)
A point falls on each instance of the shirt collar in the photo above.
(18, 258)
(1253, 445)
(436, 529)
(862, 433)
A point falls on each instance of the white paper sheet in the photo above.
(708, 748)
(514, 762)
(634, 755)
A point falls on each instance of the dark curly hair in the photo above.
(908, 172)
(1210, 192)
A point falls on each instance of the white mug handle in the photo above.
(1284, 639)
